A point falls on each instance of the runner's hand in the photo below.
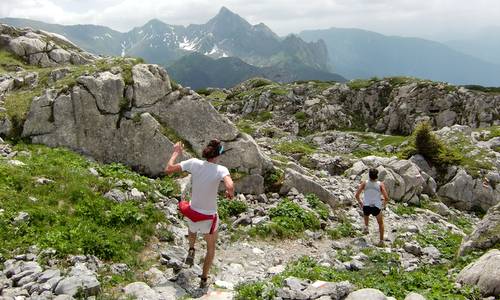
(178, 147)
(360, 203)
(229, 195)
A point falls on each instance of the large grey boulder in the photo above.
(402, 178)
(107, 89)
(140, 291)
(334, 290)
(465, 192)
(305, 185)
(365, 294)
(80, 280)
(76, 122)
(485, 235)
(5, 126)
(150, 84)
(484, 273)
(137, 124)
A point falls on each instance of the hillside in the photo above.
(483, 44)
(200, 71)
(86, 210)
(363, 54)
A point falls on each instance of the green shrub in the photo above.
(316, 204)
(203, 92)
(300, 115)
(264, 116)
(230, 208)
(289, 209)
(288, 220)
(259, 82)
(273, 179)
(434, 150)
(255, 291)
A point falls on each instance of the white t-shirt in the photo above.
(206, 177)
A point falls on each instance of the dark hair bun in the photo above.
(212, 150)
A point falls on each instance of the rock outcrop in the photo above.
(403, 179)
(466, 192)
(484, 273)
(136, 124)
(42, 48)
(485, 235)
(382, 106)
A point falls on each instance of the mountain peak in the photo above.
(227, 15)
(224, 10)
(155, 22)
(227, 21)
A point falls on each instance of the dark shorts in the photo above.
(371, 210)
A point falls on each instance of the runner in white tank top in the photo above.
(372, 204)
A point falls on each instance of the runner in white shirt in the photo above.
(206, 176)
(372, 201)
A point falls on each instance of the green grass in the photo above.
(382, 271)
(288, 220)
(445, 241)
(401, 209)
(9, 62)
(246, 126)
(279, 91)
(358, 84)
(295, 147)
(489, 90)
(343, 229)
(71, 215)
(494, 132)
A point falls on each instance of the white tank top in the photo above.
(372, 194)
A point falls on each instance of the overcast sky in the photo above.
(423, 18)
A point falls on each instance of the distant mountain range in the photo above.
(484, 44)
(260, 50)
(198, 71)
(359, 53)
(234, 49)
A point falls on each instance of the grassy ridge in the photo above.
(70, 214)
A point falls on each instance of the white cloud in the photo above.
(403, 17)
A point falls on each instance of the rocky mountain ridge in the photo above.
(357, 53)
(225, 35)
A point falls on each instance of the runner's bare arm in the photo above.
(172, 167)
(228, 182)
(358, 193)
(384, 193)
